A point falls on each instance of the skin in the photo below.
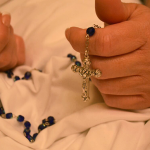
(148, 3)
(12, 49)
(121, 51)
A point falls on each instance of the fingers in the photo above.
(126, 101)
(20, 50)
(8, 56)
(12, 49)
(4, 30)
(120, 66)
(106, 11)
(113, 40)
(121, 86)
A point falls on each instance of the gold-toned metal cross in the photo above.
(86, 72)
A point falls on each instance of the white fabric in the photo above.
(57, 90)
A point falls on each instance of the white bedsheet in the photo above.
(57, 90)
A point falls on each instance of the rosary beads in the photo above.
(21, 119)
(45, 123)
(26, 76)
(84, 71)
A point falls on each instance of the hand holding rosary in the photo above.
(84, 71)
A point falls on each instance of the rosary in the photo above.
(84, 71)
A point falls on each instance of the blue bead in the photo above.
(69, 55)
(51, 120)
(9, 73)
(44, 120)
(90, 31)
(73, 58)
(20, 118)
(16, 78)
(2, 111)
(35, 135)
(27, 124)
(27, 75)
(9, 115)
(41, 127)
(30, 138)
(27, 131)
(78, 63)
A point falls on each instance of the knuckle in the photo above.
(5, 60)
(74, 39)
(13, 63)
(103, 88)
(109, 102)
(4, 38)
(103, 44)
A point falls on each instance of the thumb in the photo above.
(111, 11)
(20, 50)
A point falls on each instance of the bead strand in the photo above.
(26, 76)
(74, 59)
(21, 119)
(45, 123)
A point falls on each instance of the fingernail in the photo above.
(6, 19)
(67, 33)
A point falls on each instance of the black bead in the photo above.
(9, 73)
(27, 124)
(2, 111)
(41, 127)
(78, 63)
(51, 120)
(30, 138)
(20, 118)
(9, 115)
(16, 78)
(69, 55)
(73, 58)
(44, 120)
(90, 31)
(27, 75)
(35, 135)
(27, 131)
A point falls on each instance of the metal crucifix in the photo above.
(85, 72)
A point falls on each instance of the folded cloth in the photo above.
(57, 90)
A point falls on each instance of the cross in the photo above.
(85, 72)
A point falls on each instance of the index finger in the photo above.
(113, 40)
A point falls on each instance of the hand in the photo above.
(121, 51)
(12, 49)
